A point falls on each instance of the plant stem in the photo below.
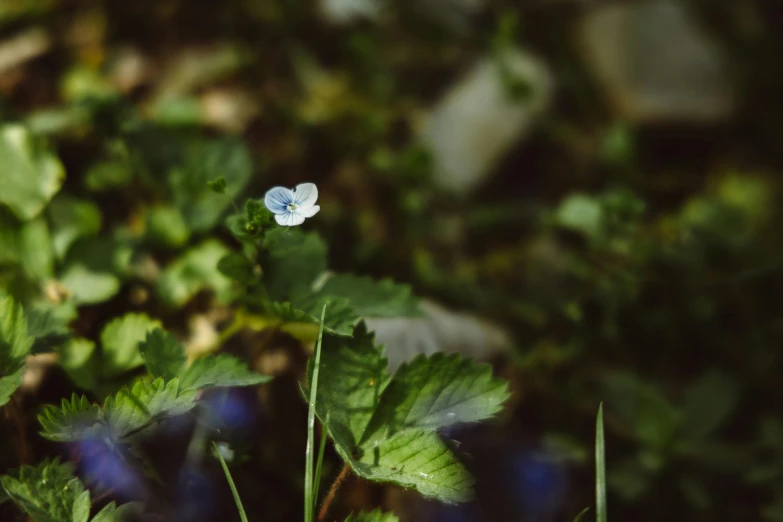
(333, 491)
(310, 500)
(600, 467)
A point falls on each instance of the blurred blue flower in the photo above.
(228, 410)
(291, 207)
(107, 466)
(197, 495)
(539, 483)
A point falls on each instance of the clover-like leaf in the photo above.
(49, 492)
(15, 344)
(120, 339)
(375, 516)
(163, 354)
(219, 371)
(75, 420)
(32, 174)
(130, 411)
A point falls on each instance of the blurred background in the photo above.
(586, 193)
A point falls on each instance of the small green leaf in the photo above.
(124, 513)
(580, 213)
(372, 298)
(120, 339)
(163, 354)
(75, 420)
(15, 344)
(49, 492)
(130, 411)
(217, 185)
(35, 250)
(291, 263)
(196, 270)
(49, 326)
(375, 516)
(72, 219)
(78, 361)
(165, 226)
(31, 173)
(340, 315)
(220, 371)
(90, 271)
(709, 402)
(237, 267)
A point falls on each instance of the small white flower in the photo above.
(291, 207)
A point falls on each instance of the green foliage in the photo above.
(371, 298)
(375, 516)
(119, 342)
(114, 513)
(75, 420)
(91, 270)
(165, 226)
(72, 219)
(220, 371)
(15, 344)
(194, 271)
(49, 493)
(385, 427)
(31, 173)
(292, 261)
(163, 354)
(217, 185)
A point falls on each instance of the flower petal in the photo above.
(277, 199)
(305, 195)
(308, 211)
(289, 219)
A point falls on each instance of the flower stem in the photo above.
(333, 492)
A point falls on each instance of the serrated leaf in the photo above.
(120, 340)
(163, 354)
(381, 443)
(340, 315)
(420, 460)
(194, 271)
(48, 325)
(372, 298)
(291, 262)
(15, 344)
(74, 420)
(375, 516)
(113, 513)
(49, 492)
(129, 411)
(436, 392)
(72, 219)
(31, 173)
(219, 371)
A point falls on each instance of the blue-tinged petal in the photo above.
(289, 219)
(277, 199)
(308, 211)
(305, 195)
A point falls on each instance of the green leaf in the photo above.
(74, 420)
(292, 261)
(119, 341)
(35, 250)
(113, 513)
(435, 392)
(709, 402)
(31, 173)
(375, 516)
(49, 492)
(580, 213)
(90, 272)
(163, 354)
(130, 411)
(217, 185)
(72, 219)
(340, 315)
(196, 270)
(15, 344)
(165, 226)
(203, 160)
(49, 326)
(237, 267)
(220, 371)
(372, 298)
(386, 427)
(78, 360)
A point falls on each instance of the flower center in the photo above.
(292, 206)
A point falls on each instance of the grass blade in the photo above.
(320, 462)
(581, 514)
(309, 507)
(600, 467)
(237, 500)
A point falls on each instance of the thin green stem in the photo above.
(600, 467)
(319, 464)
(309, 506)
(233, 487)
